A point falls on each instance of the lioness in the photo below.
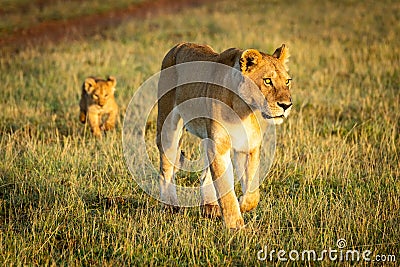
(97, 101)
(226, 118)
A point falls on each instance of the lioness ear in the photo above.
(112, 81)
(282, 53)
(249, 59)
(89, 84)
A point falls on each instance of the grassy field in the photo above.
(22, 14)
(67, 199)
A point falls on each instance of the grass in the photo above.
(22, 14)
(66, 199)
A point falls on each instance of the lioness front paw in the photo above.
(249, 201)
(234, 222)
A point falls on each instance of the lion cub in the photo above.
(98, 105)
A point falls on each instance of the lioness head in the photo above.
(100, 90)
(270, 74)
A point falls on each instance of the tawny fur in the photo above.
(97, 104)
(269, 73)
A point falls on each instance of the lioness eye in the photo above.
(268, 81)
(288, 81)
(95, 96)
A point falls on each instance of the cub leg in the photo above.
(83, 111)
(82, 116)
(247, 170)
(94, 122)
(109, 124)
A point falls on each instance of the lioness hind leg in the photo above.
(168, 139)
(209, 200)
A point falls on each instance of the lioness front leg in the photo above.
(247, 169)
(222, 173)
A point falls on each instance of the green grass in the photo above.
(66, 199)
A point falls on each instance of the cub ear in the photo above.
(282, 53)
(249, 59)
(112, 81)
(89, 84)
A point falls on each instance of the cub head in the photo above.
(100, 90)
(270, 74)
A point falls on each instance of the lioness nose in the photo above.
(285, 106)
